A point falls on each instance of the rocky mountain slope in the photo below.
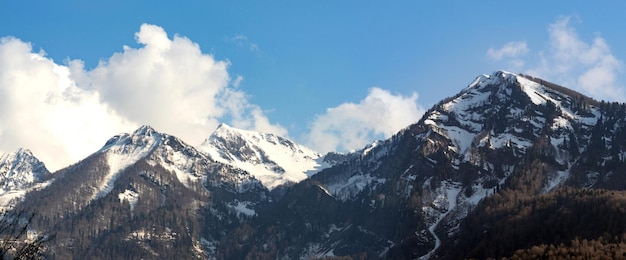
(20, 172)
(408, 196)
(144, 195)
(491, 160)
(272, 159)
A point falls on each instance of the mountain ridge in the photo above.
(272, 159)
(420, 194)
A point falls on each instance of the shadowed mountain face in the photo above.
(507, 149)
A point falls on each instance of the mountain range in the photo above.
(511, 166)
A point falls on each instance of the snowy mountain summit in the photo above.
(19, 171)
(169, 152)
(272, 159)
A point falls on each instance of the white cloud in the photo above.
(242, 41)
(589, 67)
(593, 65)
(509, 50)
(248, 116)
(168, 84)
(64, 112)
(351, 126)
(43, 110)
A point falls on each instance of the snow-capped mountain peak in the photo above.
(124, 150)
(489, 102)
(142, 138)
(19, 171)
(272, 159)
(21, 167)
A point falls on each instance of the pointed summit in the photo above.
(142, 137)
(272, 159)
(505, 108)
(145, 130)
(22, 161)
(495, 78)
(223, 126)
(20, 171)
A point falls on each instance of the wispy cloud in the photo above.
(510, 50)
(64, 112)
(243, 42)
(589, 67)
(351, 126)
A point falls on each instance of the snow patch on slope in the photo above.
(130, 196)
(242, 208)
(123, 151)
(271, 159)
(179, 161)
(353, 186)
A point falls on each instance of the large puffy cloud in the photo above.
(168, 84)
(247, 116)
(351, 126)
(65, 112)
(42, 109)
(589, 67)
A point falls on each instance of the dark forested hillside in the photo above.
(567, 222)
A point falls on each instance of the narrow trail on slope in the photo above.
(452, 191)
(431, 229)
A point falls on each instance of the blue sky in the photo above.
(333, 75)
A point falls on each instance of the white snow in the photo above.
(556, 181)
(467, 100)
(19, 172)
(445, 200)
(325, 190)
(178, 162)
(370, 147)
(353, 186)
(501, 140)
(533, 90)
(561, 123)
(8, 197)
(130, 196)
(270, 154)
(242, 208)
(122, 154)
(461, 138)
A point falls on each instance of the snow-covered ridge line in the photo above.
(124, 150)
(272, 159)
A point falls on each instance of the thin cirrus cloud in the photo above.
(589, 67)
(242, 41)
(64, 112)
(350, 126)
